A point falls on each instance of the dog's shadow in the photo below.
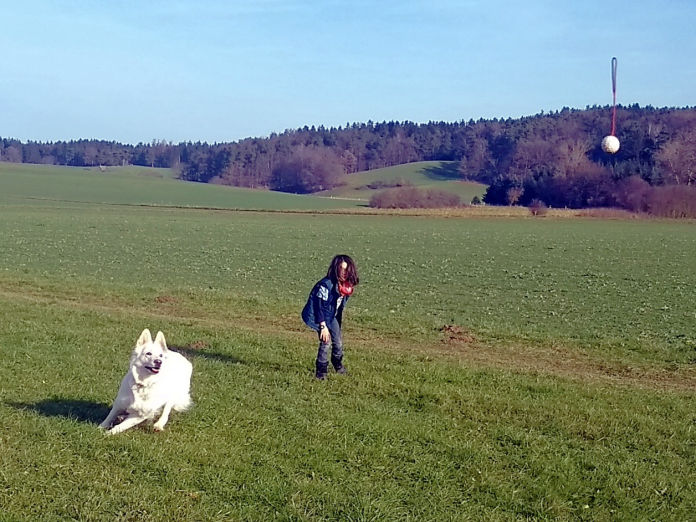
(83, 411)
(95, 412)
(193, 351)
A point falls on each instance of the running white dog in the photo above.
(158, 381)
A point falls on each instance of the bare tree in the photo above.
(677, 159)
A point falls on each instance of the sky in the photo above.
(135, 71)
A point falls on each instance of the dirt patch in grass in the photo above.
(455, 335)
(572, 363)
(456, 343)
(165, 299)
(609, 213)
(198, 345)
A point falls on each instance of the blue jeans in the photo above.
(336, 345)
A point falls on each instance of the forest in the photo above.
(553, 158)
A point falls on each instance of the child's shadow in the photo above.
(83, 411)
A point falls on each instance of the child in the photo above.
(324, 312)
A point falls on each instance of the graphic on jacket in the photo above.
(323, 304)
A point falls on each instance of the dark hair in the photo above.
(351, 270)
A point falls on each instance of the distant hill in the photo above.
(441, 175)
(553, 158)
(135, 185)
(141, 186)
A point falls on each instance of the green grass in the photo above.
(24, 183)
(440, 175)
(574, 400)
(405, 436)
(21, 183)
(619, 288)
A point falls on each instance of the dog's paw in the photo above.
(158, 427)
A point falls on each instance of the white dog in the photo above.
(158, 381)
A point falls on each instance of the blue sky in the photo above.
(218, 71)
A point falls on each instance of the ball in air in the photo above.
(610, 144)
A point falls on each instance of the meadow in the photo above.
(501, 369)
(440, 175)
(133, 186)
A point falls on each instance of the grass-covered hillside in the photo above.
(159, 187)
(20, 183)
(440, 175)
(500, 369)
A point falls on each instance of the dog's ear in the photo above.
(145, 338)
(160, 341)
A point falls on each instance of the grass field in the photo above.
(159, 187)
(134, 186)
(440, 175)
(501, 369)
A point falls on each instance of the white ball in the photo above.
(610, 144)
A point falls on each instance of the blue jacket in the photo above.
(322, 304)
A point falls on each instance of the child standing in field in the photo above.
(323, 312)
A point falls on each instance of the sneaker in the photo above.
(342, 370)
(320, 376)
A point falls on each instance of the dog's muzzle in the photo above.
(156, 366)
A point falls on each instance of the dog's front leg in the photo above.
(106, 424)
(128, 423)
(159, 425)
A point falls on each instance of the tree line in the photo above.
(555, 157)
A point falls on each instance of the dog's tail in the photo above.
(183, 403)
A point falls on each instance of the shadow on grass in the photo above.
(83, 411)
(201, 353)
(445, 171)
